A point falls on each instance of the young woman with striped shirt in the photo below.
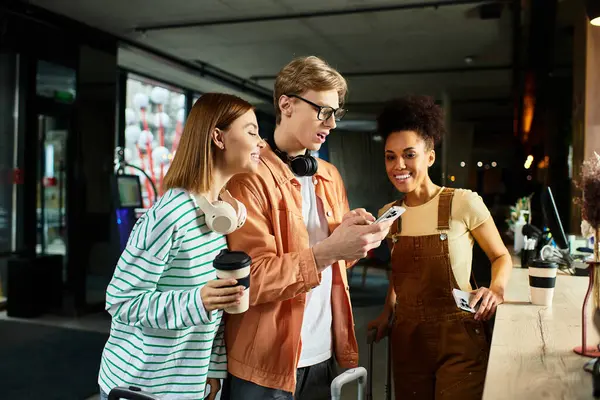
(166, 304)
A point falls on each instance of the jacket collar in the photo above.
(282, 173)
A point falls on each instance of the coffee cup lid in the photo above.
(231, 260)
(543, 264)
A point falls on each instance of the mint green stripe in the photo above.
(158, 362)
(172, 382)
(118, 312)
(156, 312)
(188, 276)
(197, 237)
(176, 286)
(116, 296)
(208, 332)
(198, 308)
(158, 369)
(162, 206)
(171, 346)
(107, 377)
(172, 297)
(145, 234)
(138, 318)
(103, 379)
(203, 254)
(131, 305)
(189, 267)
(167, 355)
(135, 276)
(203, 244)
(119, 279)
(168, 214)
(137, 266)
(187, 308)
(140, 257)
(180, 305)
(138, 232)
(202, 225)
(148, 296)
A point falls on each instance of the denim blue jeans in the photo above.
(313, 383)
(103, 396)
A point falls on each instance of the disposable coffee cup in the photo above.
(236, 265)
(542, 280)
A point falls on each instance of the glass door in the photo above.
(51, 185)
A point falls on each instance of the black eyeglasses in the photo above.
(324, 112)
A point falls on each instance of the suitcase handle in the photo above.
(371, 336)
(355, 374)
(130, 393)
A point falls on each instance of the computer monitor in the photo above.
(552, 220)
(129, 191)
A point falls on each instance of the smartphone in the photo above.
(463, 299)
(391, 214)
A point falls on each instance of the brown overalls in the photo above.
(438, 350)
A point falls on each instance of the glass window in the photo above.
(55, 81)
(154, 118)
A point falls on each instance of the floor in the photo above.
(362, 315)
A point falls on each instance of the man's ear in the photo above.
(431, 158)
(217, 138)
(285, 105)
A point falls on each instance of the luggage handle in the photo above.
(371, 336)
(130, 393)
(355, 374)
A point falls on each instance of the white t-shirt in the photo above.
(468, 213)
(316, 326)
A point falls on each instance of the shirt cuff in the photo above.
(205, 316)
(308, 269)
(217, 374)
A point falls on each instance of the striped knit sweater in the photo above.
(162, 339)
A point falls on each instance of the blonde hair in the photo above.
(192, 167)
(307, 73)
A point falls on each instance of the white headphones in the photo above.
(222, 216)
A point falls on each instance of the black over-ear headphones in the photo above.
(302, 165)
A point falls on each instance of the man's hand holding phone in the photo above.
(354, 237)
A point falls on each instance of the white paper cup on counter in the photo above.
(542, 281)
(236, 265)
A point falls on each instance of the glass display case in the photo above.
(154, 118)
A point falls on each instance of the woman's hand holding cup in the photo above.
(221, 294)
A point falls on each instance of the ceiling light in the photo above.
(462, 164)
(480, 164)
(593, 11)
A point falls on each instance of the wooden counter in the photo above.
(531, 355)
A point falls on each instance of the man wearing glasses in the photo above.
(301, 237)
